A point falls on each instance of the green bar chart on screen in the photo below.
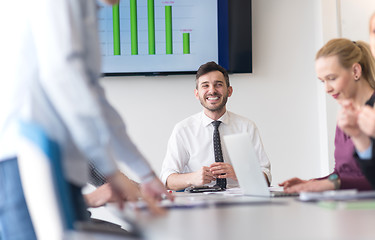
(151, 26)
(168, 30)
(116, 30)
(186, 43)
(133, 27)
(156, 35)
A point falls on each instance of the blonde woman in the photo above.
(362, 120)
(347, 70)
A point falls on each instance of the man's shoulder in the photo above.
(236, 118)
(190, 121)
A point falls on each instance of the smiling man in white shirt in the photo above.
(190, 158)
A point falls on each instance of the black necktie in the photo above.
(221, 182)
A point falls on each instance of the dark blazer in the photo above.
(368, 165)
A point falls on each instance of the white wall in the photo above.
(282, 95)
(329, 27)
(355, 16)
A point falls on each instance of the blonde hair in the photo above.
(348, 53)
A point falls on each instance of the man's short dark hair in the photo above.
(210, 67)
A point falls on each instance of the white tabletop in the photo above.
(276, 218)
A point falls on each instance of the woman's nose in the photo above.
(328, 87)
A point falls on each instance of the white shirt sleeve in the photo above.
(59, 36)
(176, 157)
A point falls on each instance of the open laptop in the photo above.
(246, 165)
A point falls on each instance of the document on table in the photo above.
(338, 195)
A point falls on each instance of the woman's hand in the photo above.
(366, 121)
(291, 182)
(347, 118)
(311, 186)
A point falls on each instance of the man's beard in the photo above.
(217, 108)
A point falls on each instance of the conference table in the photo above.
(218, 216)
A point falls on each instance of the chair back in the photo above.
(46, 191)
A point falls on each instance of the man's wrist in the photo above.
(114, 178)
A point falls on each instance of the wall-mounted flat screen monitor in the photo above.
(175, 36)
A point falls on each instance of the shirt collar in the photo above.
(207, 121)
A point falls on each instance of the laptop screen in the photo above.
(246, 165)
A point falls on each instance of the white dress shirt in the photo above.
(51, 66)
(191, 144)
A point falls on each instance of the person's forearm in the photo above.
(98, 197)
(179, 181)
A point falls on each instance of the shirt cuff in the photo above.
(165, 173)
(367, 154)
